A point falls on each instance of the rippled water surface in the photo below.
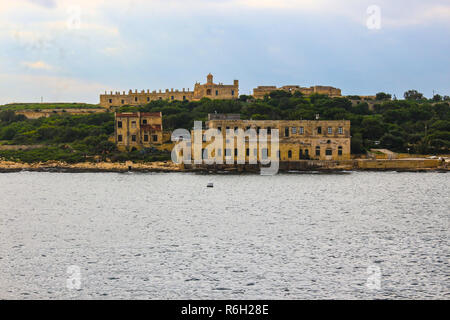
(167, 236)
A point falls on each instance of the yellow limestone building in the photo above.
(209, 90)
(138, 130)
(298, 139)
(260, 91)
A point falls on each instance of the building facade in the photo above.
(261, 91)
(298, 139)
(138, 130)
(209, 90)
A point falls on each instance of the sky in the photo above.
(71, 51)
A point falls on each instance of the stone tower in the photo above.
(209, 78)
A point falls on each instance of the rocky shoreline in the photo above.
(168, 166)
(58, 166)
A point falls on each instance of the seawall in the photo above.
(292, 166)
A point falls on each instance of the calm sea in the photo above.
(363, 235)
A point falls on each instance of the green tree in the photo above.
(383, 96)
(413, 95)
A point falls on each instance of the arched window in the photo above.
(208, 92)
(328, 152)
(317, 151)
(339, 151)
(290, 154)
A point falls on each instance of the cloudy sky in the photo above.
(73, 50)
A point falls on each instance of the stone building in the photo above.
(261, 91)
(138, 130)
(209, 90)
(298, 139)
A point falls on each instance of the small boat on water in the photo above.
(210, 185)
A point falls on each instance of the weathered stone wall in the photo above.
(398, 164)
(138, 130)
(298, 140)
(210, 90)
(300, 136)
(32, 114)
(261, 91)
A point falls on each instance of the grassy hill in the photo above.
(42, 106)
(418, 126)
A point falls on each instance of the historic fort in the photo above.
(209, 90)
(298, 139)
(261, 91)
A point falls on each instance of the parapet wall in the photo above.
(32, 114)
(261, 91)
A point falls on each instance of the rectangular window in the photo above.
(286, 132)
(119, 124)
(269, 130)
(247, 152)
(172, 97)
(257, 130)
(133, 138)
(264, 152)
(144, 121)
(317, 151)
(217, 92)
(145, 137)
(135, 99)
(123, 101)
(133, 124)
(148, 99)
(235, 128)
(328, 152)
(232, 92)
(227, 152)
(219, 152)
(319, 130)
(294, 130)
(341, 130)
(154, 138)
(184, 98)
(255, 152)
(302, 130)
(110, 100)
(119, 138)
(219, 129)
(330, 130)
(340, 151)
(235, 152)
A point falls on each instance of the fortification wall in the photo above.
(32, 114)
(398, 164)
(210, 90)
(261, 91)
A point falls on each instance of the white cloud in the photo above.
(39, 65)
(30, 88)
